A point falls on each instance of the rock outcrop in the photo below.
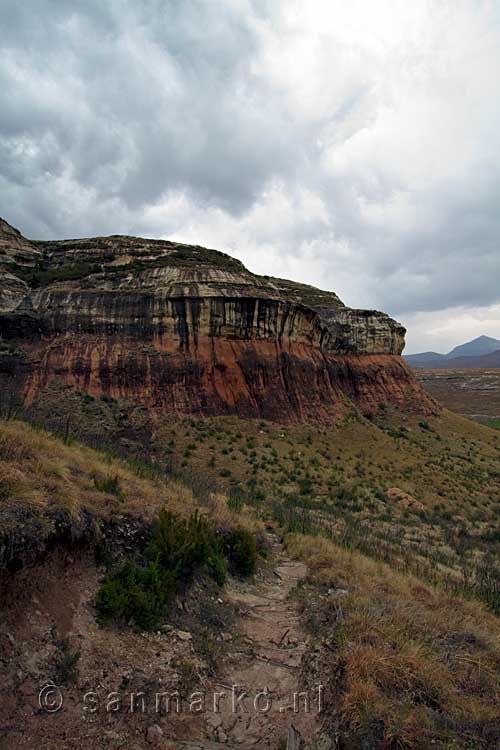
(186, 329)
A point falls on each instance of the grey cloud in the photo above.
(108, 109)
(153, 100)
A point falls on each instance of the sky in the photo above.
(354, 146)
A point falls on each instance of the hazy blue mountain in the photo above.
(424, 357)
(483, 351)
(475, 348)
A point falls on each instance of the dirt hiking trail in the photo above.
(265, 665)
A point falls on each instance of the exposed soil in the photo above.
(265, 665)
(48, 617)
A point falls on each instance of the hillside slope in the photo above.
(403, 663)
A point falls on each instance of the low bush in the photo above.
(242, 552)
(181, 545)
(139, 594)
(136, 594)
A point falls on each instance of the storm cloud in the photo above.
(354, 146)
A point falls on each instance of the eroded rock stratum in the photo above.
(185, 329)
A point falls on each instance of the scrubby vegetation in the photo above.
(39, 472)
(440, 523)
(333, 480)
(135, 594)
(42, 474)
(140, 591)
(42, 275)
(109, 485)
(182, 545)
(397, 518)
(242, 552)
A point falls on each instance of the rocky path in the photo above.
(262, 704)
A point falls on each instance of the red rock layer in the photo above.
(288, 382)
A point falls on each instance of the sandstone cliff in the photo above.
(186, 329)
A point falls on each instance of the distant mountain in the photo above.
(483, 351)
(462, 363)
(475, 348)
(424, 359)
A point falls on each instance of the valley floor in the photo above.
(472, 393)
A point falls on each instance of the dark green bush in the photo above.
(136, 594)
(424, 425)
(140, 594)
(242, 553)
(305, 486)
(181, 545)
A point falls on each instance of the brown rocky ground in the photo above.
(266, 664)
(109, 679)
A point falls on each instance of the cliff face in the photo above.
(186, 329)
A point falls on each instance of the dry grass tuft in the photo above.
(39, 470)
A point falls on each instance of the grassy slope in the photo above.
(336, 478)
(405, 665)
(40, 473)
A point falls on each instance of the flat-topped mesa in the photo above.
(188, 329)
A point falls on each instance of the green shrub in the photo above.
(140, 594)
(181, 545)
(305, 486)
(136, 594)
(217, 568)
(242, 553)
